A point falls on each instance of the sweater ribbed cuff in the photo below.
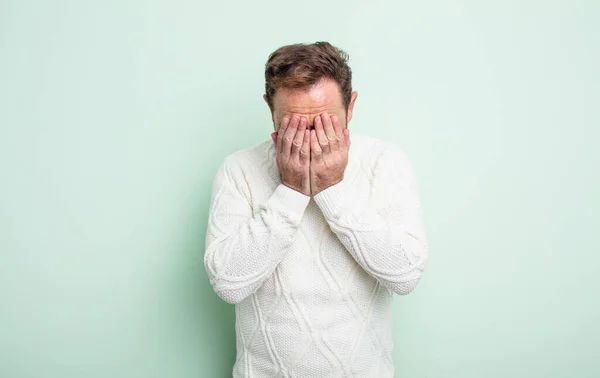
(292, 200)
(332, 200)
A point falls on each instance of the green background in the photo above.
(115, 115)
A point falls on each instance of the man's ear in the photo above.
(267, 102)
(351, 106)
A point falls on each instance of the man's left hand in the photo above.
(330, 143)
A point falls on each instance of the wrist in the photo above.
(290, 201)
(334, 199)
(328, 184)
(297, 188)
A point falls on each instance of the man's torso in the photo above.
(319, 314)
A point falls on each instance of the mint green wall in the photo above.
(115, 115)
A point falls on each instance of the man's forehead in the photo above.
(313, 100)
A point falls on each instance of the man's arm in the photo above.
(384, 232)
(244, 247)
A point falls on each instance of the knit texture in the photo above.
(312, 278)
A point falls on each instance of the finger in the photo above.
(274, 137)
(316, 152)
(298, 139)
(320, 134)
(329, 132)
(338, 130)
(288, 137)
(305, 150)
(282, 127)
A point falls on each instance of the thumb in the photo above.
(274, 136)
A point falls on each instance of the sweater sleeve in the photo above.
(244, 246)
(383, 230)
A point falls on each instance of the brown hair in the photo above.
(302, 65)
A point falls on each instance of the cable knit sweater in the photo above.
(312, 278)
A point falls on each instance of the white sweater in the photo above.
(312, 278)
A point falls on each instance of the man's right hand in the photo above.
(292, 143)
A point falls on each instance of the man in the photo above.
(311, 233)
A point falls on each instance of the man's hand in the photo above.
(292, 144)
(328, 152)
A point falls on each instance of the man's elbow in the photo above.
(224, 289)
(230, 296)
(234, 296)
(404, 288)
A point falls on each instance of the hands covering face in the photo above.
(310, 161)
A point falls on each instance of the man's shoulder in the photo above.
(259, 153)
(368, 147)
